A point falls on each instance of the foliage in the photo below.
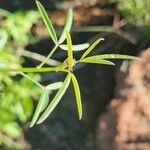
(136, 11)
(44, 106)
(16, 105)
(17, 26)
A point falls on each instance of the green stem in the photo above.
(46, 69)
(47, 58)
(29, 78)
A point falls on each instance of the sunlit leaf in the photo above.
(70, 54)
(54, 86)
(46, 69)
(96, 60)
(47, 22)
(3, 38)
(41, 105)
(4, 12)
(56, 99)
(12, 129)
(78, 47)
(78, 95)
(67, 26)
(91, 48)
(116, 56)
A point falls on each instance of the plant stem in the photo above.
(29, 70)
(47, 58)
(29, 78)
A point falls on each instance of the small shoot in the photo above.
(77, 94)
(66, 67)
(47, 22)
(67, 26)
(91, 48)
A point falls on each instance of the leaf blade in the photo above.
(40, 106)
(78, 47)
(70, 54)
(47, 21)
(117, 56)
(96, 60)
(78, 95)
(91, 48)
(56, 99)
(67, 26)
(54, 86)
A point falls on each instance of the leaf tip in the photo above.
(31, 124)
(101, 39)
(37, 2)
(70, 10)
(80, 116)
(39, 121)
(113, 64)
(139, 59)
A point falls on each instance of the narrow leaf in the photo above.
(70, 54)
(54, 86)
(116, 56)
(78, 47)
(67, 26)
(4, 12)
(78, 95)
(41, 105)
(91, 48)
(46, 69)
(56, 99)
(96, 60)
(47, 22)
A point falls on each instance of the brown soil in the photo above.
(126, 125)
(83, 15)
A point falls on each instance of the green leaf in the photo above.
(78, 47)
(116, 56)
(4, 13)
(91, 48)
(77, 94)
(41, 105)
(46, 69)
(70, 54)
(96, 60)
(3, 39)
(67, 26)
(47, 22)
(12, 129)
(56, 99)
(54, 86)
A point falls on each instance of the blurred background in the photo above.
(116, 100)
